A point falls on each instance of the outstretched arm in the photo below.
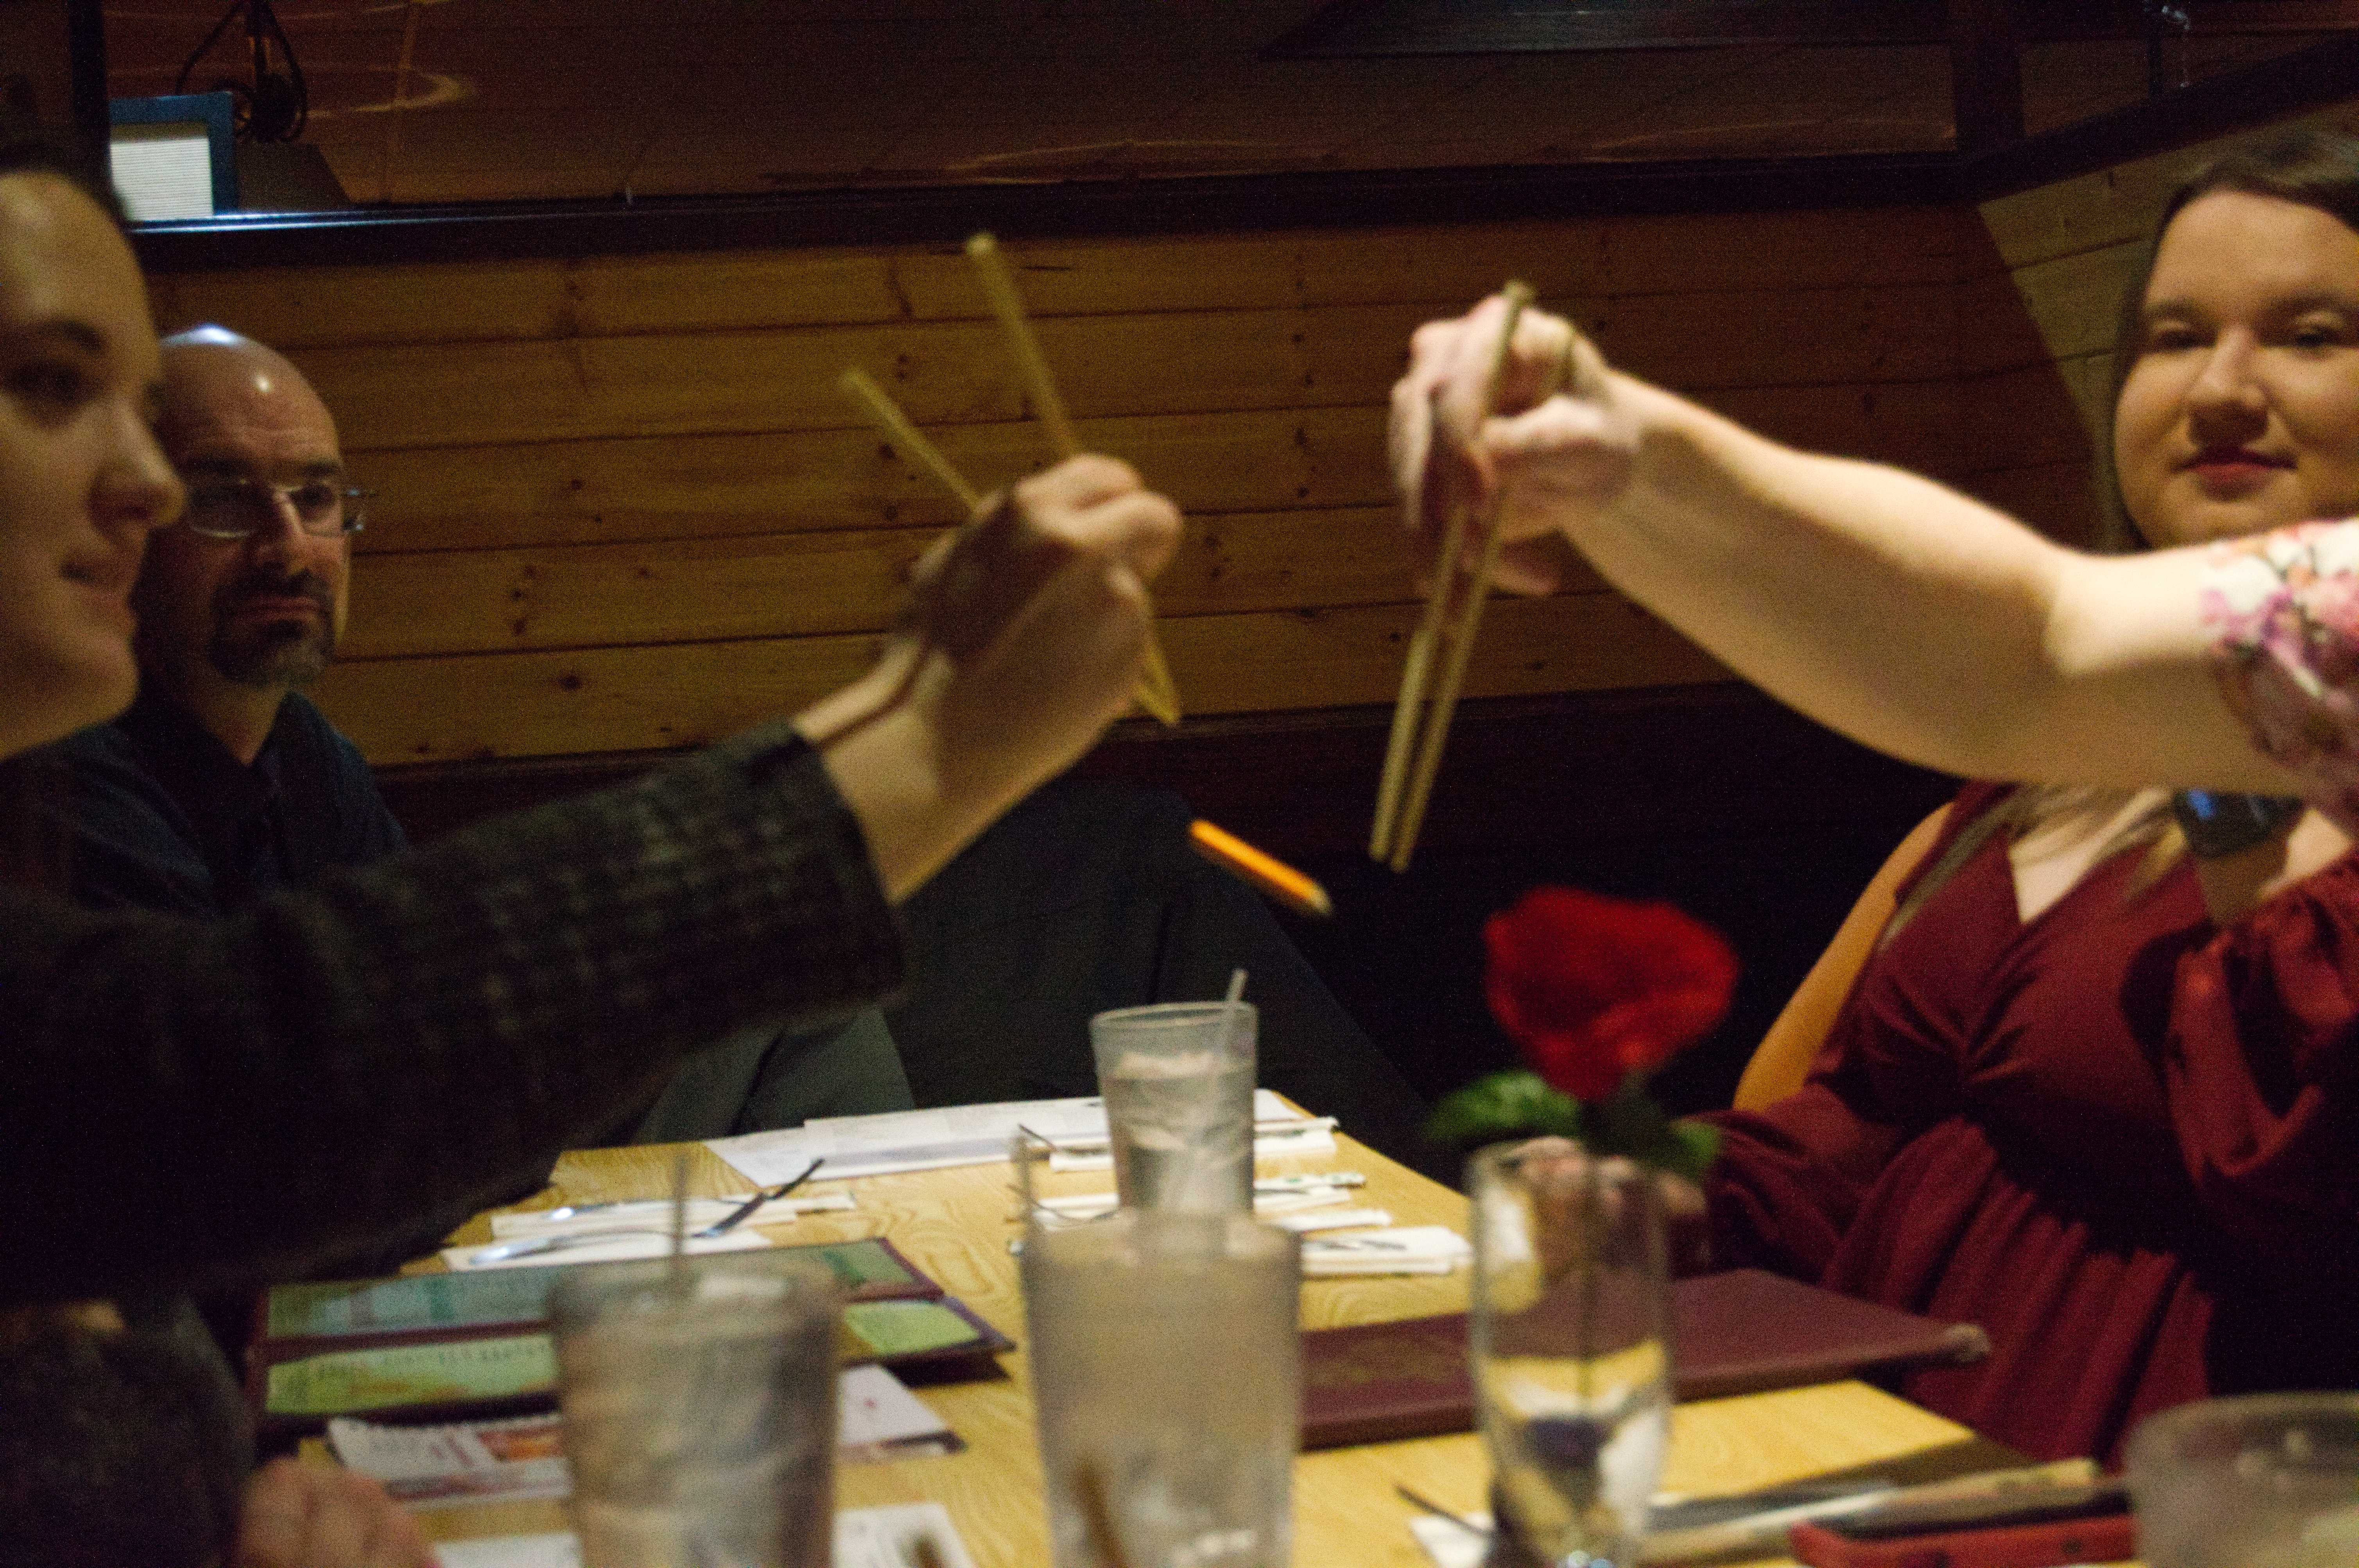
(1880, 603)
(186, 1102)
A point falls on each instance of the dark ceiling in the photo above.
(433, 101)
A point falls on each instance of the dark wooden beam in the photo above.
(947, 214)
(1364, 30)
(1986, 74)
(2314, 78)
(86, 48)
(1374, 29)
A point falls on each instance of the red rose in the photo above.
(1595, 988)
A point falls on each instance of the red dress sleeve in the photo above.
(2261, 1069)
(1791, 1176)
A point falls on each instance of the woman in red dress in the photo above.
(2087, 1088)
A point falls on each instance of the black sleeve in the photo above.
(185, 1103)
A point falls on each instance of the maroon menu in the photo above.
(1733, 1333)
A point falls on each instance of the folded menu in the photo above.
(887, 1537)
(451, 1347)
(1733, 1333)
(435, 1466)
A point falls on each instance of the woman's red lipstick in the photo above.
(2233, 469)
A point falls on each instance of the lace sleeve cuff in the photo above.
(2283, 608)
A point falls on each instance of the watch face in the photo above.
(2218, 824)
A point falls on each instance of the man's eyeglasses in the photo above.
(233, 508)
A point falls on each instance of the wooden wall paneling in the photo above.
(2066, 501)
(2118, 204)
(736, 291)
(1703, 340)
(625, 698)
(2042, 414)
(1913, 424)
(456, 302)
(2065, 307)
(649, 385)
(690, 486)
(707, 485)
(1160, 363)
(462, 601)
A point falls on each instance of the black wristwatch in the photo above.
(2218, 824)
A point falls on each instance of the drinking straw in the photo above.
(679, 1223)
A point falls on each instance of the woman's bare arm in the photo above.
(1883, 604)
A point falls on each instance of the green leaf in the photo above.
(1505, 1105)
(1699, 1146)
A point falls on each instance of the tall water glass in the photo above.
(1571, 1347)
(1167, 1375)
(1178, 1079)
(700, 1411)
(2260, 1481)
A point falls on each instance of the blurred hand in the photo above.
(1040, 611)
(322, 1516)
(1023, 638)
(1558, 1172)
(1549, 443)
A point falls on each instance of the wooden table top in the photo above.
(955, 1224)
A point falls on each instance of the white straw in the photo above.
(679, 1223)
(1235, 1023)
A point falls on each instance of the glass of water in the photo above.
(1166, 1373)
(2260, 1481)
(699, 1411)
(1178, 1079)
(1570, 1346)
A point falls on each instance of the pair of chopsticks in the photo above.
(1438, 653)
(1155, 691)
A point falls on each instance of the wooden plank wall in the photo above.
(623, 506)
(2040, 296)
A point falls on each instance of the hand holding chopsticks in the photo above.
(1438, 653)
(1157, 694)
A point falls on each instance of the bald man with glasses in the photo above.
(222, 782)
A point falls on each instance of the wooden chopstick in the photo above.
(999, 288)
(911, 443)
(1156, 693)
(906, 438)
(1405, 787)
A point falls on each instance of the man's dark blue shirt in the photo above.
(164, 818)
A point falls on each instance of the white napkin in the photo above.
(1278, 1139)
(1271, 1206)
(1330, 1220)
(656, 1213)
(1411, 1249)
(1447, 1544)
(596, 1247)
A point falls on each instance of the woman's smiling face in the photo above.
(82, 480)
(2241, 410)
